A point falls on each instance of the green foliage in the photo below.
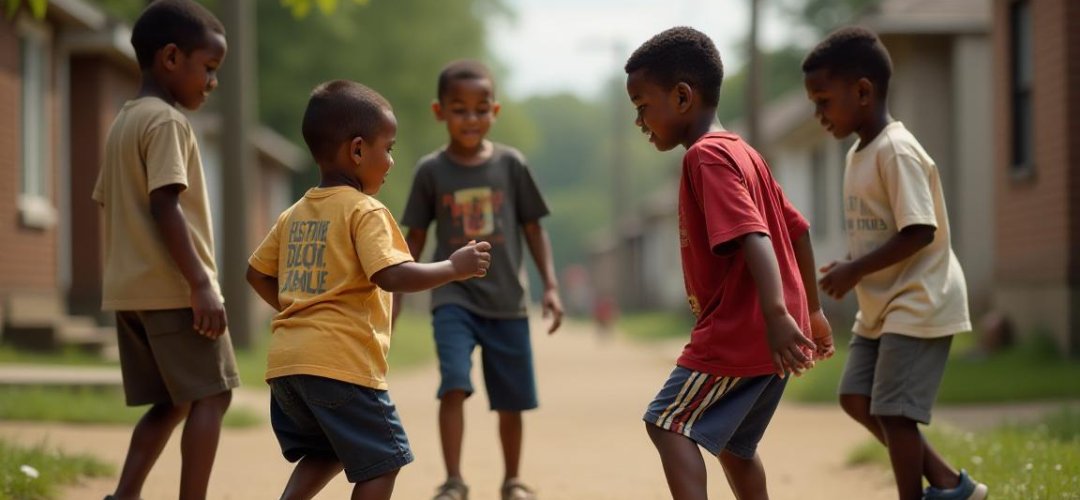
(36, 7)
(657, 325)
(1040, 461)
(823, 16)
(86, 405)
(1043, 375)
(301, 8)
(54, 468)
(781, 72)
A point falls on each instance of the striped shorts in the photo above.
(715, 411)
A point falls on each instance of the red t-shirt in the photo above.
(727, 191)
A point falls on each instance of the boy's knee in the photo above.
(219, 401)
(856, 406)
(170, 413)
(455, 396)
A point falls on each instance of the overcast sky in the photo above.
(574, 45)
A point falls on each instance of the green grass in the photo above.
(54, 469)
(68, 356)
(412, 345)
(87, 405)
(1031, 371)
(1034, 461)
(656, 325)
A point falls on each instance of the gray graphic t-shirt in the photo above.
(488, 202)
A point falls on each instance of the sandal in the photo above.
(452, 489)
(516, 490)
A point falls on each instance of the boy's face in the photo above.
(838, 102)
(659, 110)
(468, 107)
(192, 76)
(373, 158)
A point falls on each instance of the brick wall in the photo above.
(27, 256)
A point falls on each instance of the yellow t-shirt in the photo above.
(334, 321)
(150, 145)
(890, 184)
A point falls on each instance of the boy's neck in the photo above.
(470, 156)
(151, 88)
(877, 121)
(704, 123)
(329, 178)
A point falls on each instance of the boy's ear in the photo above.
(495, 107)
(170, 56)
(684, 96)
(355, 145)
(437, 109)
(865, 88)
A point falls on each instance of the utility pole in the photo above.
(754, 80)
(238, 170)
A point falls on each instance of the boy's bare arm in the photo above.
(786, 340)
(819, 325)
(469, 261)
(265, 286)
(415, 239)
(841, 277)
(540, 247)
(165, 208)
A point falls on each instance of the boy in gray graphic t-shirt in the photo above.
(477, 190)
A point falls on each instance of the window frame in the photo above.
(36, 159)
(1021, 163)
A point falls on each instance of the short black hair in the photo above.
(463, 69)
(338, 111)
(183, 22)
(681, 54)
(853, 52)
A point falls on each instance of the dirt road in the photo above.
(585, 442)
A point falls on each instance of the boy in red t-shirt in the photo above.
(746, 253)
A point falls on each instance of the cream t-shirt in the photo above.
(150, 145)
(334, 321)
(890, 184)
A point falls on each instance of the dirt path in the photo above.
(586, 442)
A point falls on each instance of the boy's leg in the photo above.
(745, 476)
(379, 488)
(198, 445)
(452, 430)
(147, 440)
(310, 476)
(143, 384)
(905, 446)
(907, 374)
(506, 351)
(683, 466)
(510, 434)
(455, 339)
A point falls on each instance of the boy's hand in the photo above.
(210, 320)
(840, 277)
(790, 349)
(822, 334)
(553, 308)
(472, 260)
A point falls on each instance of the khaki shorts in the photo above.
(164, 360)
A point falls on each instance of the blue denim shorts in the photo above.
(325, 417)
(505, 351)
(716, 412)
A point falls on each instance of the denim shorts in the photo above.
(324, 417)
(899, 374)
(717, 412)
(505, 351)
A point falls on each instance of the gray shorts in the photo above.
(900, 374)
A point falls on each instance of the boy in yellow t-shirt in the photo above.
(328, 267)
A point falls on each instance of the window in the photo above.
(35, 207)
(1020, 49)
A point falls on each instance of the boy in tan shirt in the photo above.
(911, 290)
(160, 276)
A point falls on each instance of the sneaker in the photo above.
(452, 489)
(968, 489)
